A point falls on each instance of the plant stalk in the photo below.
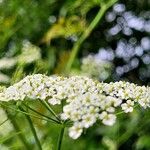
(32, 115)
(42, 114)
(16, 127)
(87, 32)
(59, 144)
(50, 109)
(33, 130)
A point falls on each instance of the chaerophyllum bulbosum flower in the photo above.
(86, 100)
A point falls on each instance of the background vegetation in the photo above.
(104, 39)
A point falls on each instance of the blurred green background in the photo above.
(39, 36)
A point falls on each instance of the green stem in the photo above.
(4, 122)
(60, 137)
(50, 109)
(33, 131)
(18, 74)
(87, 32)
(16, 127)
(42, 114)
(27, 113)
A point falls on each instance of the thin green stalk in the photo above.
(87, 32)
(33, 130)
(18, 74)
(16, 127)
(50, 109)
(59, 144)
(42, 114)
(12, 135)
(4, 122)
(27, 113)
(62, 105)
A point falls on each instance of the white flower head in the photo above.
(4, 78)
(88, 120)
(94, 67)
(75, 131)
(86, 100)
(7, 63)
(107, 119)
(128, 106)
(30, 53)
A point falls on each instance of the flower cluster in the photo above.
(129, 92)
(4, 78)
(7, 63)
(87, 101)
(94, 67)
(30, 53)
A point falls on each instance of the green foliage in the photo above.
(59, 30)
(80, 7)
(64, 28)
(143, 142)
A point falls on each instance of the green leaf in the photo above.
(143, 142)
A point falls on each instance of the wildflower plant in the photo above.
(94, 67)
(4, 78)
(29, 54)
(84, 101)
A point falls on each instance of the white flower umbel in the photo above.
(87, 101)
(4, 78)
(7, 63)
(30, 53)
(94, 67)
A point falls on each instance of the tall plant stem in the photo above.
(86, 33)
(33, 130)
(16, 127)
(60, 137)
